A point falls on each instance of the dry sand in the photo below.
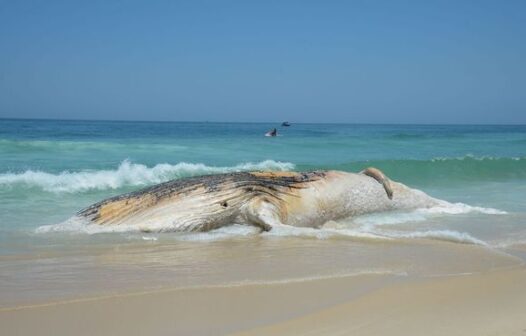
(492, 303)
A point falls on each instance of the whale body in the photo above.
(263, 199)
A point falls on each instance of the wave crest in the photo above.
(127, 174)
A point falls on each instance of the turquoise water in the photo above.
(51, 169)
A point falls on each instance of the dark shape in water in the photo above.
(272, 133)
(285, 124)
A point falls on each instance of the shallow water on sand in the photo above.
(87, 270)
(51, 169)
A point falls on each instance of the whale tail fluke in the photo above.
(381, 178)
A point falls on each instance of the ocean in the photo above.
(50, 169)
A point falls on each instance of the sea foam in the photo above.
(365, 232)
(126, 175)
(444, 235)
(422, 214)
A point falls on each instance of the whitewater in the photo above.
(127, 174)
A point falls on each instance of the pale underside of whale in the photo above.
(263, 199)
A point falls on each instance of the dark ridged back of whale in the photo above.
(269, 183)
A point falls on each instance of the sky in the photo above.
(301, 61)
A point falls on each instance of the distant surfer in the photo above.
(272, 133)
(285, 124)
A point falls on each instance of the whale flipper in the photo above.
(381, 178)
(262, 213)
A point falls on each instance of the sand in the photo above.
(488, 304)
(492, 303)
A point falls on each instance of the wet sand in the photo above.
(490, 303)
(120, 268)
(484, 304)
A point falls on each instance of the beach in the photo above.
(484, 304)
(490, 303)
(262, 168)
(282, 286)
(456, 268)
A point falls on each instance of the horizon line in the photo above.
(262, 122)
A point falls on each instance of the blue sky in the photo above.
(303, 61)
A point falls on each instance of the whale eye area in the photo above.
(224, 204)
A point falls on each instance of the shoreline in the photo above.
(360, 304)
(144, 268)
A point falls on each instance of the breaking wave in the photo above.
(129, 174)
(126, 175)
